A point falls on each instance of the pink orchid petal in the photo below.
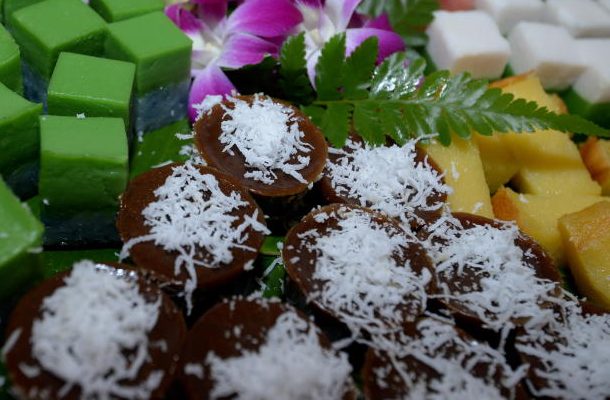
(340, 12)
(381, 22)
(243, 49)
(211, 12)
(209, 81)
(183, 18)
(265, 18)
(311, 3)
(389, 42)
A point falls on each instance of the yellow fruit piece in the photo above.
(528, 86)
(586, 239)
(461, 164)
(556, 181)
(499, 164)
(596, 156)
(538, 215)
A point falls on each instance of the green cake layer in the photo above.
(20, 243)
(161, 52)
(10, 62)
(598, 113)
(19, 139)
(160, 147)
(83, 163)
(96, 87)
(118, 10)
(10, 6)
(45, 29)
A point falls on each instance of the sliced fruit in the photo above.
(586, 239)
(549, 181)
(463, 170)
(596, 156)
(499, 164)
(537, 215)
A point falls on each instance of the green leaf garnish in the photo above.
(294, 81)
(408, 17)
(399, 102)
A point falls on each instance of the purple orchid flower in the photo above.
(244, 37)
(321, 21)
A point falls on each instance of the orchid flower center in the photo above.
(208, 46)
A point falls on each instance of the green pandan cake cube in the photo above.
(83, 162)
(95, 87)
(83, 171)
(10, 6)
(161, 52)
(118, 10)
(20, 243)
(10, 62)
(19, 141)
(45, 29)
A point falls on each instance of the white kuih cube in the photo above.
(594, 84)
(507, 13)
(548, 50)
(583, 18)
(467, 41)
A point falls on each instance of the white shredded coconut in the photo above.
(362, 281)
(192, 214)
(504, 287)
(267, 134)
(290, 364)
(207, 104)
(387, 179)
(85, 329)
(574, 357)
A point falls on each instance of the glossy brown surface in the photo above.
(301, 271)
(131, 224)
(214, 332)
(170, 328)
(534, 257)
(333, 196)
(207, 133)
(398, 388)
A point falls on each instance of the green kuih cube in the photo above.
(19, 142)
(83, 171)
(10, 62)
(20, 244)
(162, 54)
(118, 10)
(95, 87)
(44, 30)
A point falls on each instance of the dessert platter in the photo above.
(276, 199)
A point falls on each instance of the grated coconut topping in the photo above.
(387, 179)
(192, 215)
(85, 329)
(290, 364)
(267, 134)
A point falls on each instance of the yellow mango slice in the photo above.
(538, 215)
(586, 239)
(463, 169)
(548, 181)
(499, 164)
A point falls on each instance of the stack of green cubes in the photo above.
(19, 142)
(45, 29)
(118, 10)
(162, 67)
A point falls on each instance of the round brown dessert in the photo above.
(268, 146)
(190, 223)
(568, 358)
(257, 349)
(436, 360)
(99, 331)
(491, 275)
(358, 266)
(401, 181)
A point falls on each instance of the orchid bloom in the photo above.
(321, 21)
(244, 37)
